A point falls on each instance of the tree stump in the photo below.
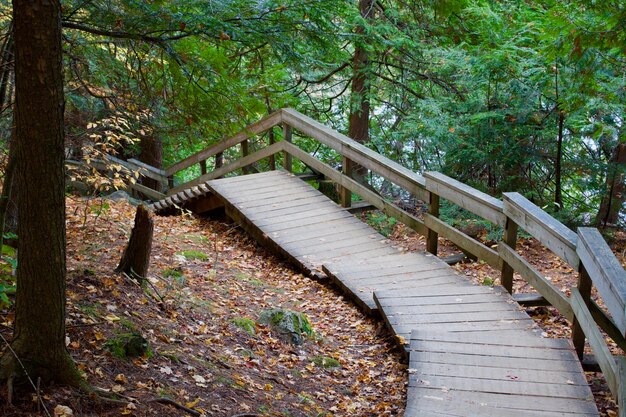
(136, 258)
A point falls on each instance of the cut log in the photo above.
(136, 258)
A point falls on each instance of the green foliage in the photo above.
(194, 254)
(469, 223)
(381, 222)
(8, 284)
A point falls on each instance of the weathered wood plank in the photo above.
(545, 228)
(469, 198)
(507, 387)
(463, 241)
(605, 271)
(152, 194)
(596, 340)
(538, 281)
(520, 404)
(486, 361)
(250, 131)
(358, 153)
(498, 374)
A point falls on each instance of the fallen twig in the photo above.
(174, 404)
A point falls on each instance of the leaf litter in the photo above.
(197, 357)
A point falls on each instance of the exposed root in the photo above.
(174, 404)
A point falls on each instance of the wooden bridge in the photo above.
(472, 350)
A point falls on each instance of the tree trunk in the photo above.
(613, 198)
(39, 335)
(136, 258)
(151, 154)
(558, 189)
(359, 98)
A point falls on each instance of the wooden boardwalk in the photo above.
(472, 350)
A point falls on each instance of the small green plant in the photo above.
(8, 264)
(381, 222)
(128, 345)
(194, 254)
(488, 281)
(246, 324)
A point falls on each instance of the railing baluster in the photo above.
(345, 193)
(219, 160)
(272, 140)
(584, 287)
(287, 137)
(432, 238)
(510, 238)
(245, 151)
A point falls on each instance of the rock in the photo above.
(290, 325)
(123, 195)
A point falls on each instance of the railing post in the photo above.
(345, 193)
(170, 182)
(245, 151)
(272, 140)
(621, 396)
(219, 160)
(287, 137)
(203, 167)
(510, 238)
(584, 287)
(433, 210)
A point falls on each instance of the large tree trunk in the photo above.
(613, 197)
(359, 99)
(39, 336)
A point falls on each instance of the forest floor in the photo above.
(208, 284)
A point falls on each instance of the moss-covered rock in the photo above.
(246, 324)
(128, 345)
(326, 362)
(290, 325)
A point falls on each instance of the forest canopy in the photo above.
(503, 95)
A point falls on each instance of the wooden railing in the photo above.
(585, 251)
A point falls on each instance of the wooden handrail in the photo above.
(252, 130)
(545, 228)
(358, 153)
(469, 198)
(605, 272)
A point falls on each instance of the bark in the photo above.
(39, 327)
(7, 188)
(151, 154)
(613, 199)
(360, 105)
(136, 258)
